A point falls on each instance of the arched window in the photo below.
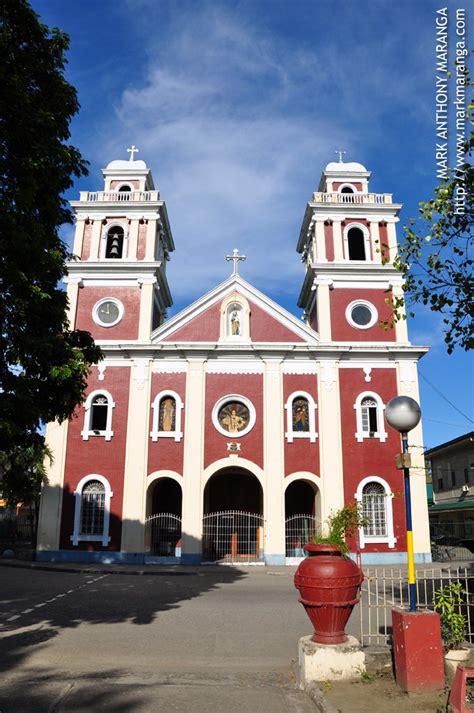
(369, 417)
(375, 497)
(347, 189)
(167, 407)
(92, 510)
(98, 415)
(300, 417)
(114, 242)
(356, 242)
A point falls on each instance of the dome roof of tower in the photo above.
(342, 167)
(120, 165)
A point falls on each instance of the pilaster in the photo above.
(146, 307)
(79, 237)
(133, 239)
(320, 241)
(274, 438)
(193, 463)
(330, 438)
(136, 458)
(95, 239)
(375, 241)
(150, 240)
(52, 496)
(324, 309)
(337, 238)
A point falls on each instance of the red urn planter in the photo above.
(329, 586)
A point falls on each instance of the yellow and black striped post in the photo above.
(409, 525)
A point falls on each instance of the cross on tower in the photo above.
(236, 258)
(341, 154)
(133, 149)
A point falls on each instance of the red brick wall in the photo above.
(166, 453)
(371, 457)
(301, 454)
(98, 456)
(215, 444)
(343, 331)
(127, 328)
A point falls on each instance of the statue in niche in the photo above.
(234, 417)
(300, 415)
(167, 414)
(235, 321)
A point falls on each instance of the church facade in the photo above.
(231, 431)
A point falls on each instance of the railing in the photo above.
(383, 589)
(299, 529)
(119, 196)
(232, 537)
(353, 198)
(163, 534)
(452, 540)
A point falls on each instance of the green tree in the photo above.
(43, 363)
(25, 472)
(436, 257)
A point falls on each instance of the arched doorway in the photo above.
(163, 524)
(302, 519)
(233, 518)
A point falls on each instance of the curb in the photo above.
(319, 699)
(90, 569)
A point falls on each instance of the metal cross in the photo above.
(236, 258)
(133, 149)
(341, 153)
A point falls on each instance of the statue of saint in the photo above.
(167, 414)
(235, 323)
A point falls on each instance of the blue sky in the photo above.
(237, 106)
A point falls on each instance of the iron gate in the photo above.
(163, 534)
(232, 537)
(299, 529)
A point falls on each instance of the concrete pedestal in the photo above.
(417, 650)
(329, 662)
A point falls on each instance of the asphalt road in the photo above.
(219, 639)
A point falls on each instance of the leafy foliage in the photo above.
(448, 600)
(43, 363)
(341, 524)
(436, 258)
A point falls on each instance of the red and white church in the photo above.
(229, 432)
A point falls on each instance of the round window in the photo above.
(361, 314)
(107, 312)
(233, 416)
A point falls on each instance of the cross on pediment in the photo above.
(132, 150)
(236, 258)
(341, 154)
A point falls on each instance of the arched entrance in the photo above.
(163, 524)
(302, 519)
(233, 518)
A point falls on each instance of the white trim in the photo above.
(169, 367)
(290, 434)
(366, 233)
(372, 309)
(177, 434)
(95, 312)
(87, 431)
(348, 185)
(299, 367)
(360, 433)
(224, 366)
(243, 309)
(389, 538)
(226, 399)
(76, 536)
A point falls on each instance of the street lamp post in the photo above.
(403, 414)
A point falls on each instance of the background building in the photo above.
(232, 430)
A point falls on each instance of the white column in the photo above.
(133, 240)
(401, 327)
(52, 496)
(73, 285)
(330, 439)
(274, 437)
(146, 306)
(337, 238)
(375, 241)
(79, 237)
(323, 304)
(136, 458)
(407, 383)
(95, 239)
(193, 463)
(150, 240)
(320, 241)
(391, 239)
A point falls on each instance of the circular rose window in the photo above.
(361, 314)
(233, 416)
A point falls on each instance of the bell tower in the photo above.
(117, 284)
(348, 242)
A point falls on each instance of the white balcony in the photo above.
(353, 198)
(119, 196)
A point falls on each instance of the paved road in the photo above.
(219, 639)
